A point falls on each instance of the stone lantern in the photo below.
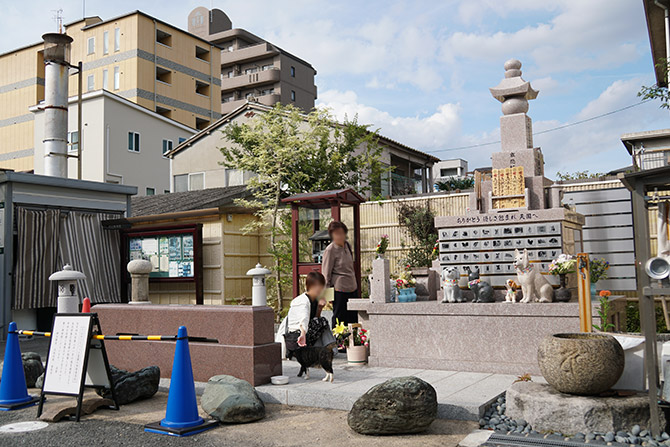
(258, 291)
(68, 297)
(139, 270)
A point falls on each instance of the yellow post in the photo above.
(584, 288)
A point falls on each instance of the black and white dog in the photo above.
(315, 357)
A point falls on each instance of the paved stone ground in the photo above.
(460, 395)
(283, 426)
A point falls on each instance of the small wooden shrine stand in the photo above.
(323, 200)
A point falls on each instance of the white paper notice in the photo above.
(65, 364)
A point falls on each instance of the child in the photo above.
(304, 325)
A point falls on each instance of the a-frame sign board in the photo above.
(76, 360)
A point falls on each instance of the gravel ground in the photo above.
(283, 426)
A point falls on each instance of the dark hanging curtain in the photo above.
(49, 239)
(36, 258)
(94, 251)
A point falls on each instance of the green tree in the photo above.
(291, 152)
(655, 91)
(418, 221)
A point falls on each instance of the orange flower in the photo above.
(605, 293)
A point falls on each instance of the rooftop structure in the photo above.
(253, 69)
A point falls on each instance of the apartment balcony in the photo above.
(248, 54)
(268, 100)
(250, 80)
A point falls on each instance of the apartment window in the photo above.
(133, 141)
(167, 146)
(151, 191)
(267, 91)
(228, 98)
(163, 38)
(105, 42)
(231, 74)
(91, 45)
(448, 172)
(292, 95)
(189, 182)
(201, 123)
(90, 83)
(105, 79)
(230, 48)
(202, 53)
(267, 67)
(166, 191)
(163, 111)
(251, 70)
(202, 88)
(181, 140)
(249, 95)
(73, 141)
(163, 75)
(117, 77)
(117, 39)
(292, 71)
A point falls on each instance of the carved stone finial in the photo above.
(513, 92)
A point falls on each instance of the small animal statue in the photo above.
(510, 296)
(534, 286)
(452, 292)
(482, 290)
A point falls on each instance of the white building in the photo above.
(123, 143)
(444, 169)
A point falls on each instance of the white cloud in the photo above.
(584, 35)
(421, 132)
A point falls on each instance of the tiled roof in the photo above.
(186, 201)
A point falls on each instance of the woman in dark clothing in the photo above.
(338, 268)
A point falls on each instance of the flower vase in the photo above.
(563, 294)
(407, 295)
(593, 290)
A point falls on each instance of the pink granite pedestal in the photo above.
(500, 338)
(245, 346)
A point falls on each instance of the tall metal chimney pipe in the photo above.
(56, 76)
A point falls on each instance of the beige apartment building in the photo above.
(138, 57)
(253, 69)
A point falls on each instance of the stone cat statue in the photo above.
(482, 289)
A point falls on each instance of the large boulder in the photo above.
(32, 367)
(547, 410)
(399, 405)
(132, 386)
(232, 400)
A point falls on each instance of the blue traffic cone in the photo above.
(181, 416)
(13, 390)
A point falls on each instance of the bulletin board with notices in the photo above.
(172, 253)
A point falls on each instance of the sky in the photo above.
(419, 70)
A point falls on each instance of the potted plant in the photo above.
(382, 246)
(355, 339)
(562, 266)
(357, 350)
(597, 271)
(405, 283)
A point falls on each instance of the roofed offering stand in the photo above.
(334, 200)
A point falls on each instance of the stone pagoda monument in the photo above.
(514, 206)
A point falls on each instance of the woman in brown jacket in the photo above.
(338, 268)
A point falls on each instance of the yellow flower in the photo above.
(339, 328)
